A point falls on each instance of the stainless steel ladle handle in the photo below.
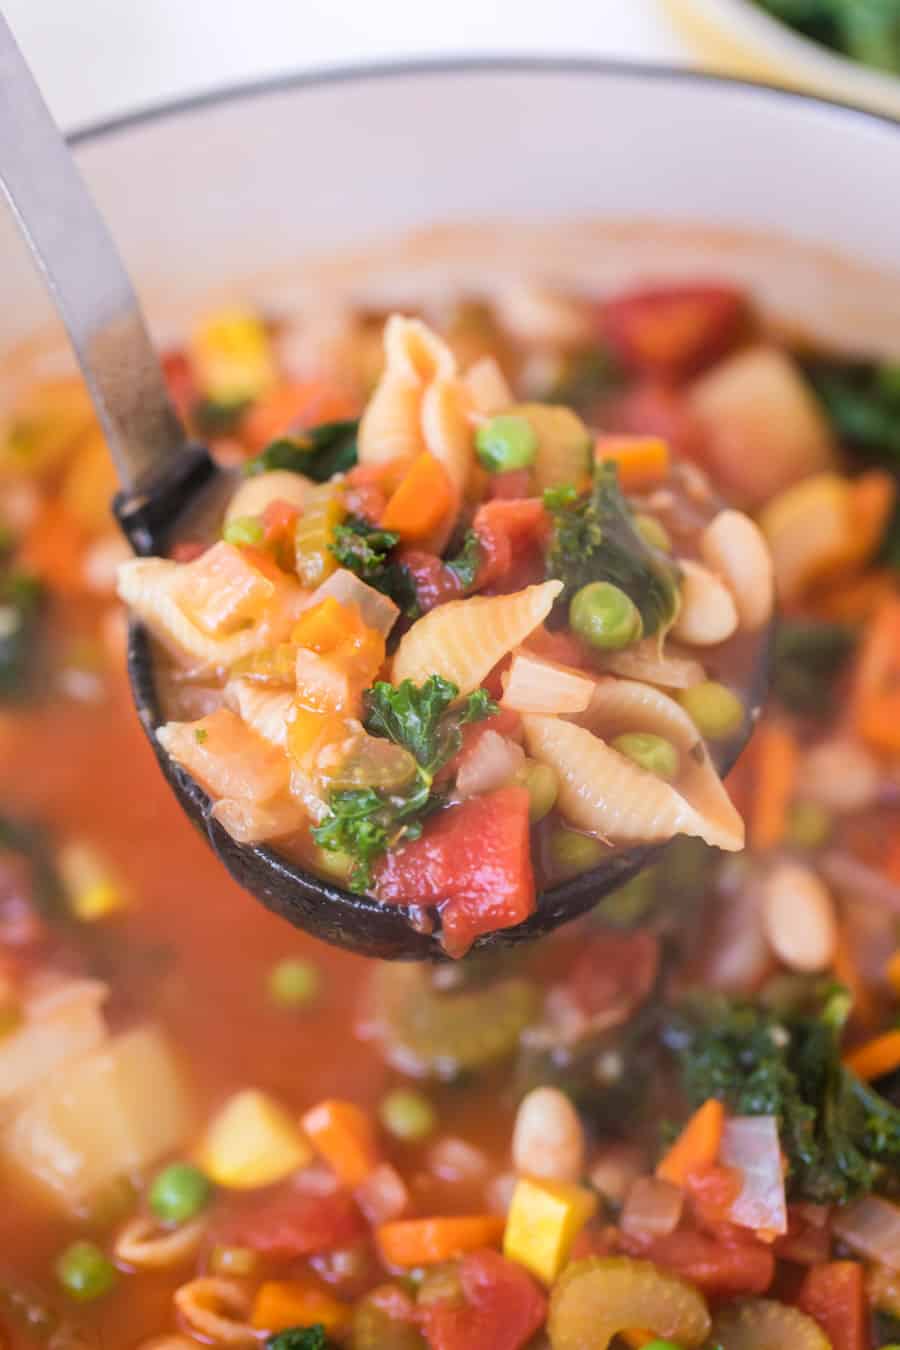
(86, 278)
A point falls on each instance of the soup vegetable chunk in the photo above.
(474, 616)
(414, 635)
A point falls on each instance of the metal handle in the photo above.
(85, 276)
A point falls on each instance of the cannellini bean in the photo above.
(548, 1139)
(840, 774)
(278, 485)
(734, 548)
(708, 614)
(799, 918)
(615, 1169)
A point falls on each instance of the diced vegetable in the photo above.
(422, 502)
(323, 511)
(280, 1304)
(383, 1195)
(775, 767)
(875, 696)
(226, 757)
(318, 452)
(221, 592)
(292, 1221)
(408, 1115)
(342, 1134)
(751, 1145)
(697, 1146)
(232, 357)
(562, 454)
(84, 1272)
(834, 1295)
(383, 1320)
(53, 1028)
(672, 330)
(179, 1193)
(876, 1058)
(507, 442)
(501, 1307)
(112, 1112)
(294, 983)
(92, 890)
(378, 611)
(595, 1299)
(642, 462)
(871, 1227)
(763, 1324)
(492, 762)
(252, 1142)
(533, 684)
(544, 1219)
(652, 1207)
(427, 1242)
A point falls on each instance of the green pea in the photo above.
(653, 532)
(294, 983)
(542, 785)
(661, 1345)
(809, 824)
(604, 616)
(244, 531)
(715, 709)
(573, 852)
(653, 753)
(84, 1272)
(505, 443)
(407, 1115)
(179, 1193)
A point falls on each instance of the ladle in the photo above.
(165, 479)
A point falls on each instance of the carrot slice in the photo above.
(642, 461)
(282, 1304)
(421, 502)
(875, 699)
(53, 549)
(292, 405)
(698, 1144)
(775, 764)
(342, 1133)
(876, 1057)
(426, 1242)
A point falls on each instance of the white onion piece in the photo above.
(535, 685)
(383, 1195)
(871, 1226)
(377, 610)
(491, 763)
(454, 1159)
(652, 1208)
(750, 1143)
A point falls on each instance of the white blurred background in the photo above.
(98, 58)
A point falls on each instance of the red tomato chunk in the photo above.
(834, 1295)
(503, 1308)
(672, 330)
(289, 1222)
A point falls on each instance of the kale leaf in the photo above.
(367, 550)
(839, 1134)
(809, 656)
(594, 539)
(20, 603)
(319, 453)
(300, 1338)
(862, 400)
(365, 822)
(464, 565)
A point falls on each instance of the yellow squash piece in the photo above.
(545, 1217)
(233, 357)
(252, 1142)
(92, 891)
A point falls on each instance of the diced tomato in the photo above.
(503, 1308)
(279, 521)
(672, 331)
(291, 1222)
(562, 647)
(474, 861)
(365, 499)
(656, 409)
(834, 1295)
(712, 1190)
(716, 1266)
(179, 380)
(614, 973)
(513, 484)
(509, 531)
(433, 580)
(293, 405)
(595, 1241)
(807, 1241)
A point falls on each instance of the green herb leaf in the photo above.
(809, 656)
(862, 400)
(299, 1338)
(839, 1134)
(365, 549)
(366, 822)
(21, 596)
(467, 561)
(584, 378)
(318, 453)
(594, 539)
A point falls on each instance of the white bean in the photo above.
(799, 918)
(255, 494)
(708, 614)
(548, 1139)
(734, 547)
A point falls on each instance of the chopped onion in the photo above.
(61, 1020)
(871, 1226)
(750, 1144)
(454, 1159)
(644, 662)
(652, 1208)
(492, 762)
(377, 610)
(534, 685)
(383, 1195)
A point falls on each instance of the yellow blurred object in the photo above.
(253, 1142)
(92, 891)
(545, 1217)
(324, 510)
(90, 484)
(233, 357)
(49, 420)
(892, 973)
(281, 1304)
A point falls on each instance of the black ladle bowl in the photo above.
(165, 480)
(356, 922)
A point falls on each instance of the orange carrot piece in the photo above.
(875, 1058)
(697, 1146)
(875, 698)
(857, 598)
(280, 1304)
(323, 627)
(421, 502)
(53, 548)
(342, 1133)
(293, 405)
(775, 768)
(892, 973)
(642, 461)
(872, 501)
(638, 1339)
(427, 1242)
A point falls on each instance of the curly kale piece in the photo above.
(368, 551)
(839, 1134)
(809, 656)
(365, 822)
(300, 1338)
(594, 539)
(318, 453)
